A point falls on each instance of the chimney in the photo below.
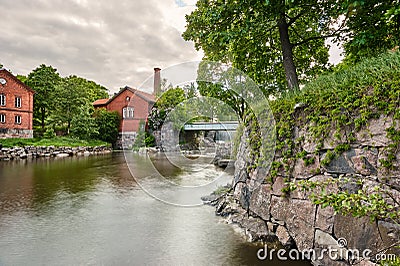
(157, 81)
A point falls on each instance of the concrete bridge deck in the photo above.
(212, 126)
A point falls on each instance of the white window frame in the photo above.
(128, 112)
(3, 101)
(18, 102)
(18, 119)
(124, 112)
(2, 118)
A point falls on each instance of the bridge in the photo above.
(212, 126)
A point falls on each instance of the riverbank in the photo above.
(332, 181)
(31, 152)
(56, 142)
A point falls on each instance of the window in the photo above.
(18, 102)
(18, 119)
(128, 98)
(127, 112)
(2, 100)
(2, 118)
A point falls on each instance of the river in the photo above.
(90, 211)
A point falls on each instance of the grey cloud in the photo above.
(111, 44)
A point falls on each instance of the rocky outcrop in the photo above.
(29, 152)
(270, 213)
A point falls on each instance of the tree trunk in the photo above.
(286, 46)
(43, 111)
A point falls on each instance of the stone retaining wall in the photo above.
(28, 152)
(15, 133)
(291, 220)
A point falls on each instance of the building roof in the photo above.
(26, 87)
(101, 102)
(144, 95)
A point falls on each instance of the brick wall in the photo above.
(141, 110)
(11, 89)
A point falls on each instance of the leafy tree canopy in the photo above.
(373, 27)
(281, 44)
(274, 42)
(165, 103)
(107, 124)
(43, 80)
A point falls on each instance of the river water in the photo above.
(90, 211)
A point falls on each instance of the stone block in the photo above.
(375, 134)
(278, 185)
(303, 171)
(242, 195)
(260, 201)
(299, 217)
(283, 236)
(360, 233)
(256, 229)
(325, 219)
(340, 164)
(390, 234)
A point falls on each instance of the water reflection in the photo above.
(89, 210)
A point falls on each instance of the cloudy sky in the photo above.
(114, 43)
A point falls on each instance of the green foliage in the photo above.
(140, 139)
(63, 104)
(107, 124)
(373, 28)
(376, 204)
(22, 78)
(274, 41)
(251, 35)
(237, 140)
(329, 156)
(83, 125)
(150, 140)
(390, 262)
(91, 90)
(49, 133)
(55, 141)
(221, 190)
(167, 102)
(223, 83)
(347, 99)
(335, 106)
(69, 97)
(43, 80)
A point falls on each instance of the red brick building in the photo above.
(16, 107)
(133, 106)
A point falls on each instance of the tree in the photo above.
(374, 27)
(69, 97)
(83, 125)
(277, 43)
(43, 80)
(220, 82)
(22, 78)
(107, 124)
(92, 90)
(168, 100)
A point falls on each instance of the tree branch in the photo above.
(292, 20)
(333, 34)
